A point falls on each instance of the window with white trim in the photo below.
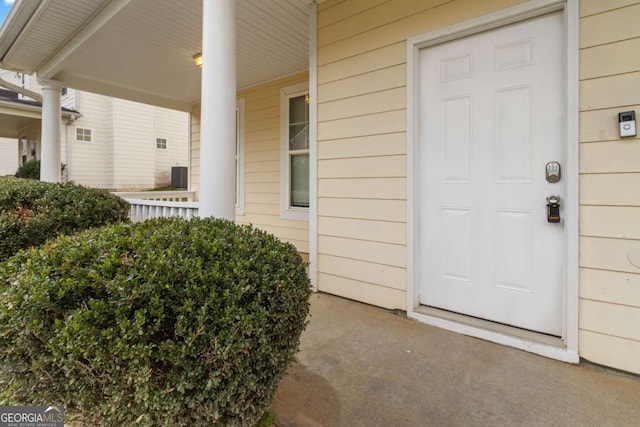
(161, 143)
(23, 149)
(83, 134)
(294, 185)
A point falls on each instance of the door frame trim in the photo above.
(530, 9)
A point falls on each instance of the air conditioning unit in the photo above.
(179, 177)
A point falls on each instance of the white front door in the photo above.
(491, 118)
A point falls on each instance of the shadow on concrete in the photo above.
(363, 366)
(305, 399)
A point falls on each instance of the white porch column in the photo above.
(50, 137)
(218, 110)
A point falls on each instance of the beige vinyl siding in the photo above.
(8, 156)
(194, 151)
(609, 175)
(362, 139)
(262, 161)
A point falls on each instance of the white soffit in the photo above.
(57, 22)
(144, 50)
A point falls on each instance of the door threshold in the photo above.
(533, 342)
(492, 326)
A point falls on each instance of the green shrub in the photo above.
(32, 212)
(164, 322)
(29, 170)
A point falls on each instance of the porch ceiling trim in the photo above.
(142, 51)
(54, 64)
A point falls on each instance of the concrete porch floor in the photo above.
(364, 366)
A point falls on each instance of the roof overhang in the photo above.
(143, 50)
(15, 116)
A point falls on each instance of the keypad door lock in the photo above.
(552, 172)
(553, 208)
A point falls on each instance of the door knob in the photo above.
(553, 208)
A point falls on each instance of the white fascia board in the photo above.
(12, 109)
(31, 111)
(128, 93)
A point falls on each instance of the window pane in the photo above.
(298, 123)
(299, 137)
(300, 180)
(298, 110)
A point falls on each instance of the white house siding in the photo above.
(610, 175)
(122, 154)
(134, 145)
(174, 126)
(92, 162)
(262, 161)
(362, 139)
(32, 134)
(8, 156)
(69, 100)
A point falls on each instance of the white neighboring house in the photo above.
(111, 144)
(8, 156)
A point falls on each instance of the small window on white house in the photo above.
(161, 143)
(64, 91)
(83, 134)
(295, 152)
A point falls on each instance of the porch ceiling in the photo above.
(142, 49)
(12, 120)
(16, 114)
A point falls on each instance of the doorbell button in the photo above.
(627, 123)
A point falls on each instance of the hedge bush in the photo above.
(32, 212)
(31, 169)
(165, 322)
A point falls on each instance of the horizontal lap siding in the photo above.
(262, 161)
(609, 179)
(8, 156)
(134, 145)
(92, 163)
(362, 143)
(174, 126)
(194, 152)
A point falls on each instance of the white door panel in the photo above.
(491, 117)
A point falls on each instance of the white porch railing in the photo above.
(145, 209)
(167, 196)
(160, 204)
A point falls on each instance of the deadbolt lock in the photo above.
(552, 172)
